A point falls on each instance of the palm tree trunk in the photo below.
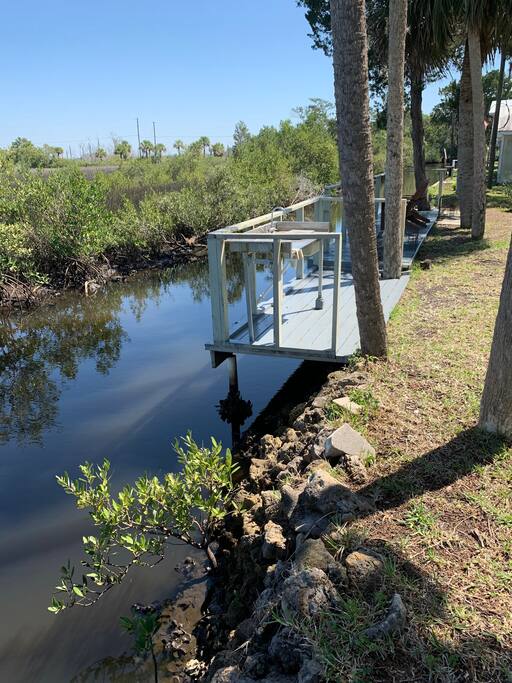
(350, 59)
(393, 245)
(465, 145)
(496, 405)
(418, 136)
(475, 63)
(496, 122)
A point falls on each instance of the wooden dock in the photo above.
(311, 315)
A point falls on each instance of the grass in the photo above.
(442, 488)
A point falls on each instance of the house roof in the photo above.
(505, 124)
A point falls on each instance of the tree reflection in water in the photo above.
(41, 350)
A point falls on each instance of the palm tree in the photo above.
(204, 141)
(159, 149)
(179, 145)
(100, 153)
(218, 149)
(496, 121)
(465, 144)
(123, 149)
(146, 147)
(350, 60)
(392, 266)
(496, 405)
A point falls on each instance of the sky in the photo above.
(76, 73)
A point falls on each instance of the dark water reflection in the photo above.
(118, 375)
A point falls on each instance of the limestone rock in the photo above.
(311, 672)
(364, 569)
(346, 441)
(230, 674)
(307, 593)
(249, 526)
(345, 403)
(259, 471)
(313, 553)
(271, 504)
(256, 665)
(348, 445)
(394, 622)
(269, 445)
(320, 402)
(325, 494)
(288, 649)
(274, 542)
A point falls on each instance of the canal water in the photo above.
(117, 375)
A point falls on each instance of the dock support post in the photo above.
(233, 374)
(440, 195)
(319, 303)
(218, 288)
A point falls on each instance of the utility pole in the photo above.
(138, 136)
(154, 141)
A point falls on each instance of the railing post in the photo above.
(319, 303)
(403, 223)
(336, 294)
(299, 215)
(277, 276)
(249, 296)
(218, 288)
(440, 195)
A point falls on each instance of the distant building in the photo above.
(504, 140)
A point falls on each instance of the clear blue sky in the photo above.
(78, 71)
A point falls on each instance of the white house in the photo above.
(504, 140)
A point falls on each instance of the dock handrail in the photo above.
(217, 242)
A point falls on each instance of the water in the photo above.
(119, 375)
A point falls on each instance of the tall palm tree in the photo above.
(179, 145)
(496, 121)
(496, 405)
(397, 27)
(204, 141)
(465, 144)
(350, 60)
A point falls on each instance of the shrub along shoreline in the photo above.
(61, 229)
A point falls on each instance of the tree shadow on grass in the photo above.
(447, 242)
(436, 469)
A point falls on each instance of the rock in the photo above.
(230, 674)
(274, 542)
(320, 402)
(325, 494)
(271, 501)
(313, 553)
(307, 593)
(269, 445)
(364, 569)
(288, 649)
(290, 436)
(256, 665)
(346, 441)
(289, 499)
(345, 403)
(314, 524)
(249, 526)
(246, 500)
(311, 672)
(259, 471)
(394, 622)
(348, 445)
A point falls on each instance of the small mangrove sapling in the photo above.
(135, 526)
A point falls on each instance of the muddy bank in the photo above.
(91, 276)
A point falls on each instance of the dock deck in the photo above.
(299, 326)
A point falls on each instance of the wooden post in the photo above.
(299, 215)
(319, 303)
(440, 196)
(218, 288)
(403, 222)
(336, 294)
(277, 273)
(248, 294)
